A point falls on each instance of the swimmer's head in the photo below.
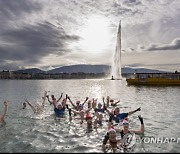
(111, 100)
(80, 106)
(125, 123)
(117, 110)
(64, 100)
(89, 102)
(59, 106)
(52, 96)
(112, 132)
(99, 105)
(78, 102)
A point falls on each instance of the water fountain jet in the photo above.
(116, 63)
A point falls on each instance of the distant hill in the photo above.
(139, 70)
(89, 69)
(81, 68)
(31, 70)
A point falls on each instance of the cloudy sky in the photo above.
(50, 33)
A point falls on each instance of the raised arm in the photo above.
(107, 99)
(32, 107)
(51, 102)
(71, 102)
(117, 102)
(129, 113)
(89, 109)
(85, 100)
(94, 104)
(141, 131)
(106, 137)
(104, 104)
(5, 111)
(64, 101)
(105, 140)
(60, 97)
(44, 98)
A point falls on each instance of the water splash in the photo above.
(116, 63)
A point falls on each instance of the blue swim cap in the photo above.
(80, 105)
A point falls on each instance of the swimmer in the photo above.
(59, 107)
(99, 108)
(107, 101)
(111, 138)
(80, 112)
(98, 120)
(2, 117)
(37, 109)
(88, 119)
(117, 116)
(78, 104)
(79, 109)
(114, 103)
(89, 104)
(124, 131)
(54, 100)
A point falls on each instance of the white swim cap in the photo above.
(125, 121)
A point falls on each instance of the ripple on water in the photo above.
(26, 132)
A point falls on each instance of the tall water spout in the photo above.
(116, 63)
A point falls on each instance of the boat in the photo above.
(169, 79)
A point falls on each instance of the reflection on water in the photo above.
(26, 132)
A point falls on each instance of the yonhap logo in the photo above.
(162, 140)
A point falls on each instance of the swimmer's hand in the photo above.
(140, 119)
(87, 98)
(68, 97)
(67, 106)
(139, 109)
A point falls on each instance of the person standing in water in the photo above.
(123, 132)
(117, 116)
(2, 117)
(59, 107)
(54, 100)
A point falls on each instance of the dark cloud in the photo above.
(12, 9)
(31, 43)
(175, 45)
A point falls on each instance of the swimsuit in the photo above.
(59, 112)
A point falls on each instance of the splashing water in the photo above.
(116, 64)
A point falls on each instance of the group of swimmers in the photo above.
(92, 115)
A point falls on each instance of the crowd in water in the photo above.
(92, 114)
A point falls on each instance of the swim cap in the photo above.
(111, 100)
(125, 121)
(80, 105)
(112, 130)
(59, 105)
(99, 104)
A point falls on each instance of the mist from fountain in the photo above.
(116, 62)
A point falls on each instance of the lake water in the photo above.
(26, 132)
